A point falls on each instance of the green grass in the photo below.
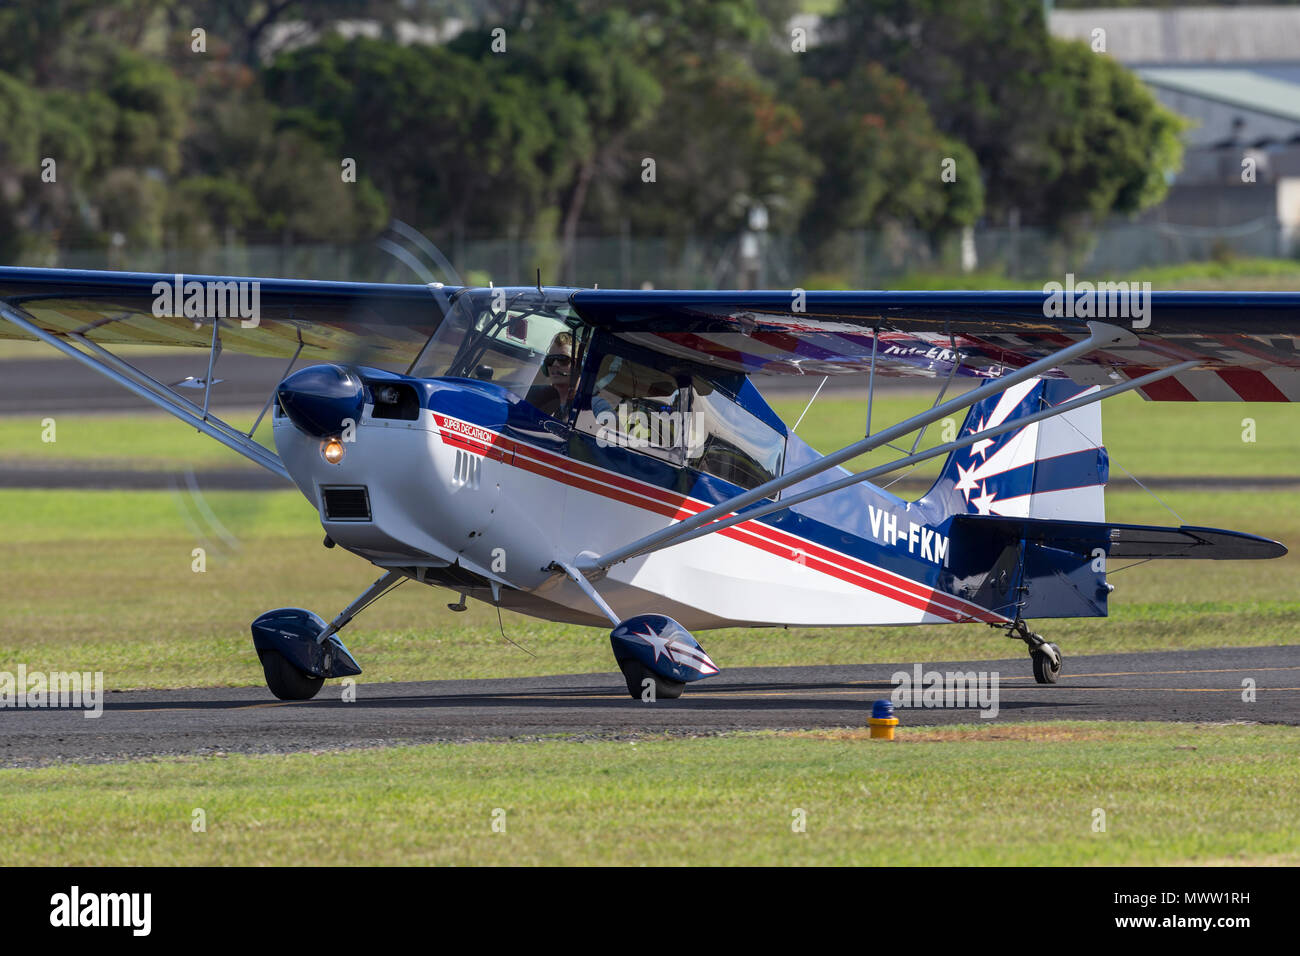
(1012, 794)
(103, 581)
(132, 440)
(1147, 438)
(31, 348)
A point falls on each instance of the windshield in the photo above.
(510, 336)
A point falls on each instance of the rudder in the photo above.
(1056, 468)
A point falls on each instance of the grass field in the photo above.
(1023, 794)
(1147, 438)
(134, 440)
(1230, 275)
(104, 581)
(31, 348)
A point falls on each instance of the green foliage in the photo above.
(1111, 143)
(160, 145)
(882, 157)
(436, 141)
(1059, 132)
(722, 141)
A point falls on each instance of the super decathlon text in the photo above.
(930, 545)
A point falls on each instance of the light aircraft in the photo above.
(592, 456)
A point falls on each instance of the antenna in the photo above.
(539, 278)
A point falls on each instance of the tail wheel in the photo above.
(286, 681)
(1045, 672)
(636, 674)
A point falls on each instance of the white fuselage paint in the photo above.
(521, 514)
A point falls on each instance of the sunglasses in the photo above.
(553, 360)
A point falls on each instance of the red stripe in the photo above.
(1252, 386)
(704, 346)
(778, 340)
(766, 538)
(568, 465)
(747, 533)
(1165, 390)
(754, 534)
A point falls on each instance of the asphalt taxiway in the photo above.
(1254, 684)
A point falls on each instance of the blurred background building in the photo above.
(1234, 72)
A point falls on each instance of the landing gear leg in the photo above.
(657, 656)
(1046, 657)
(299, 651)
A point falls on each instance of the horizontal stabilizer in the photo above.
(1126, 540)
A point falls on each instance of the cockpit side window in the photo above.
(635, 406)
(728, 442)
(504, 336)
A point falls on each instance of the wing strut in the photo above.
(871, 378)
(212, 364)
(137, 382)
(283, 375)
(642, 547)
(1100, 336)
(952, 373)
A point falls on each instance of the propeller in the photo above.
(418, 254)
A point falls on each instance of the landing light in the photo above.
(332, 451)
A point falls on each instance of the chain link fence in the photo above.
(867, 259)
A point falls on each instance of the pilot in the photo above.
(553, 389)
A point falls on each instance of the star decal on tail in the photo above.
(982, 446)
(966, 480)
(984, 503)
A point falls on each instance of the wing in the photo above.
(334, 320)
(1246, 345)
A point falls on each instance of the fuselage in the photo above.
(479, 490)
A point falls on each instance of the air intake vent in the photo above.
(350, 503)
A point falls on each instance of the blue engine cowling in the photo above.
(322, 399)
(662, 645)
(292, 632)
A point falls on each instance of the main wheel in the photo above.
(1045, 672)
(636, 673)
(286, 681)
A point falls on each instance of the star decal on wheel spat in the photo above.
(678, 652)
(659, 643)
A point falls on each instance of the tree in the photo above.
(722, 142)
(1030, 107)
(439, 143)
(883, 158)
(590, 100)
